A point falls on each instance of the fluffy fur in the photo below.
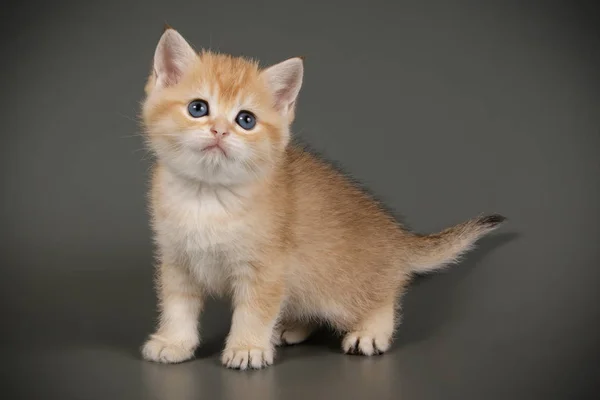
(246, 214)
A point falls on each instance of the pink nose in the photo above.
(218, 132)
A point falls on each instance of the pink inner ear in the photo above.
(166, 68)
(170, 72)
(281, 98)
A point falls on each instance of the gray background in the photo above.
(444, 110)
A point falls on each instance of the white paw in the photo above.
(285, 336)
(366, 343)
(247, 357)
(160, 350)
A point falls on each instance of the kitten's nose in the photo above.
(219, 130)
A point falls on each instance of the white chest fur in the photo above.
(204, 227)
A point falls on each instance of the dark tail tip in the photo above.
(491, 221)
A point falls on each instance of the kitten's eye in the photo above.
(246, 120)
(198, 108)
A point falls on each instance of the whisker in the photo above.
(132, 119)
(131, 136)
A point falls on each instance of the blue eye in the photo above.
(246, 120)
(198, 108)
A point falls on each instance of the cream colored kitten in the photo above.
(238, 211)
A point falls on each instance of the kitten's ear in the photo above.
(285, 80)
(172, 57)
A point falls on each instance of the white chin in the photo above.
(211, 167)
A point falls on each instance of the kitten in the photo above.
(239, 211)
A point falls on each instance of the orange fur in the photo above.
(290, 239)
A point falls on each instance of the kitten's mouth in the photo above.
(215, 147)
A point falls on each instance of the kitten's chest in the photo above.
(203, 228)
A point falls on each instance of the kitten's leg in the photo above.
(373, 335)
(180, 302)
(290, 333)
(257, 303)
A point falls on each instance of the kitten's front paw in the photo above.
(160, 350)
(366, 343)
(247, 357)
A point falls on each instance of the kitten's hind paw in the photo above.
(292, 335)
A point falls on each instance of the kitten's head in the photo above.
(216, 118)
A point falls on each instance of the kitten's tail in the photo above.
(433, 252)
